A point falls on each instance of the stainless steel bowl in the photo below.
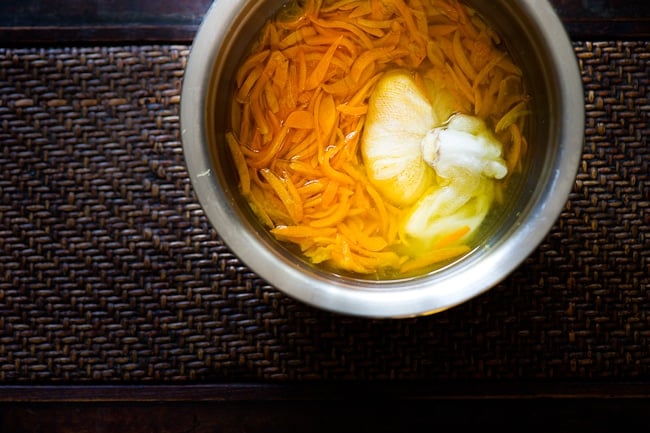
(539, 41)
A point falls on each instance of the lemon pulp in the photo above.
(442, 171)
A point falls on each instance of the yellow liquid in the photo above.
(300, 108)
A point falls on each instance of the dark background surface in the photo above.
(144, 321)
(109, 21)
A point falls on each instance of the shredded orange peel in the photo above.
(299, 109)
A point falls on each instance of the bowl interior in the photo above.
(540, 46)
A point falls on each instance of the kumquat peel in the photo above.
(376, 135)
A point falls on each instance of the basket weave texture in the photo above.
(110, 272)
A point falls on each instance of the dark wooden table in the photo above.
(240, 403)
(77, 21)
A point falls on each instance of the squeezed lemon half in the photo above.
(441, 170)
(399, 117)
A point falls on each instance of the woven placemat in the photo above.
(110, 272)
